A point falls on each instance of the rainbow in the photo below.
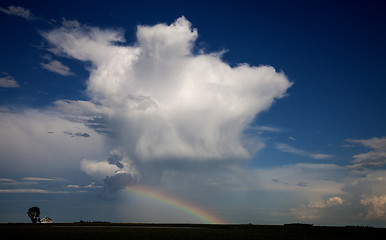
(154, 194)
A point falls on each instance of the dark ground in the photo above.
(96, 231)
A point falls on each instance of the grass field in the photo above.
(184, 231)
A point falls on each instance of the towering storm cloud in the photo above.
(156, 100)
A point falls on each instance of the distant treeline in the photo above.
(81, 221)
(352, 226)
(299, 224)
(311, 225)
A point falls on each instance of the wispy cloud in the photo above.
(18, 11)
(57, 67)
(41, 179)
(6, 180)
(31, 190)
(43, 185)
(265, 129)
(289, 149)
(376, 157)
(92, 185)
(254, 130)
(8, 81)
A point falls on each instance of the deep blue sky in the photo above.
(333, 52)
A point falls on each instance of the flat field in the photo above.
(104, 231)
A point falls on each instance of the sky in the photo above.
(262, 112)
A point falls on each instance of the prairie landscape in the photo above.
(185, 231)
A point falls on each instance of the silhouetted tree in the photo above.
(34, 213)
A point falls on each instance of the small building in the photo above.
(46, 220)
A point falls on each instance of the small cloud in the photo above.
(302, 184)
(334, 201)
(57, 67)
(78, 134)
(292, 138)
(39, 179)
(97, 169)
(86, 135)
(261, 129)
(70, 23)
(289, 149)
(319, 155)
(6, 180)
(8, 81)
(92, 185)
(278, 181)
(347, 145)
(18, 11)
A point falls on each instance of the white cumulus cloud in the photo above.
(98, 169)
(376, 207)
(163, 102)
(314, 210)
